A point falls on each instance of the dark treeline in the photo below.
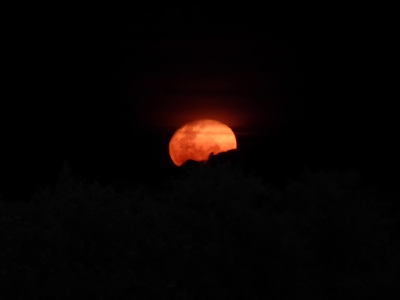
(211, 231)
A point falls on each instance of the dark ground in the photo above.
(211, 232)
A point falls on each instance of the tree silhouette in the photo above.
(212, 232)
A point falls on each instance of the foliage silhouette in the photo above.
(215, 232)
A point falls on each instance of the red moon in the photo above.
(198, 139)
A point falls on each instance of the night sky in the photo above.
(92, 206)
(104, 88)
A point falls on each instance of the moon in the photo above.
(198, 139)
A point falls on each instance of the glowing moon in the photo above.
(197, 140)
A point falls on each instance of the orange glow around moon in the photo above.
(197, 140)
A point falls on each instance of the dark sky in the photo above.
(105, 87)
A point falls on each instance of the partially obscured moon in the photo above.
(198, 139)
